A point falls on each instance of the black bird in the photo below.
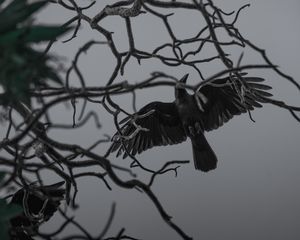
(39, 204)
(190, 116)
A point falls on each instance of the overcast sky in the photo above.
(254, 192)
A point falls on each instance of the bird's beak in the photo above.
(184, 78)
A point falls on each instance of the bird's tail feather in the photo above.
(204, 157)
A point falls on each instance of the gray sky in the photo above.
(253, 192)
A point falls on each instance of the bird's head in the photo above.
(182, 81)
(179, 87)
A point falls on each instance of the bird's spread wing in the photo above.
(162, 126)
(226, 98)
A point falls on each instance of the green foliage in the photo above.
(7, 211)
(21, 66)
(17, 12)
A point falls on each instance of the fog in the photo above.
(253, 192)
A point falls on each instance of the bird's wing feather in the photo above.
(164, 128)
(224, 99)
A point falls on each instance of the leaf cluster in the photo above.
(21, 65)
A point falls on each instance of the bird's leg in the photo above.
(193, 129)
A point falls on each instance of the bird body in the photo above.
(39, 204)
(191, 119)
(190, 116)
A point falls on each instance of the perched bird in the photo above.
(39, 204)
(190, 116)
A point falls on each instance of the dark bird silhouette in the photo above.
(39, 204)
(190, 116)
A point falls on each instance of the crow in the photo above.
(215, 103)
(39, 204)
